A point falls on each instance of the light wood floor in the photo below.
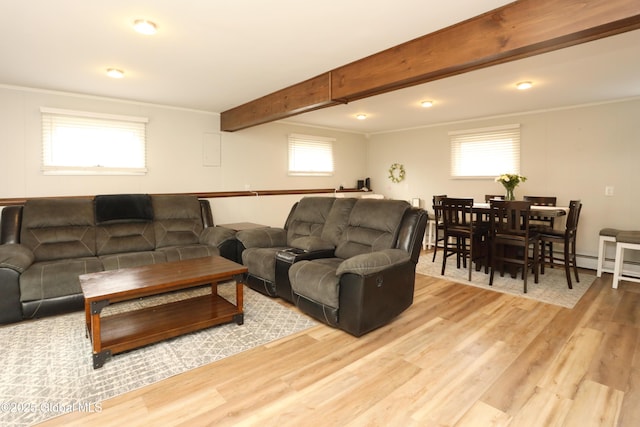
(460, 356)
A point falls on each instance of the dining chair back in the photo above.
(439, 227)
(464, 235)
(567, 238)
(512, 239)
(541, 220)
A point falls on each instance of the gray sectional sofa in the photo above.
(349, 263)
(47, 243)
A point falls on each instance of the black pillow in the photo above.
(118, 207)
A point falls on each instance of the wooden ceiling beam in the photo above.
(300, 98)
(515, 31)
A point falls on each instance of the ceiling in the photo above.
(215, 55)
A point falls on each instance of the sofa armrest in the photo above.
(374, 262)
(268, 237)
(293, 255)
(216, 236)
(16, 257)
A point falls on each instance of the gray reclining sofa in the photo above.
(349, 263)
(47, 243)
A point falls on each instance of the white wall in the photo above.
(255, 158)
(571, 153)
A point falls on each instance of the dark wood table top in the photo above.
(546, 211)
(129, 283)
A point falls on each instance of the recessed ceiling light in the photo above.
(115, 73)
(427, 104)
(524, 85)
(361, 116)
(145, 27)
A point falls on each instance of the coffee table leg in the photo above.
(239, 296)
(87, 315)
(239, 318)
(100, 358)
(99, 355)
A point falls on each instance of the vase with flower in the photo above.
(510, 181)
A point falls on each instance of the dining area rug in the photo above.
(47, 367)
(551, 289)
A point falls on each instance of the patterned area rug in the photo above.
(552, 287)
(47, 366)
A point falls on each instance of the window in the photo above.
(310, 155)
(488, 152)
(81, 143)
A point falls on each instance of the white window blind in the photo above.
(487, 152)
(310, 155)
(83, 143)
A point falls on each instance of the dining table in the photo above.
(483, 209)
(536, 210)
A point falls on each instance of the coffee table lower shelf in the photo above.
(125, 331)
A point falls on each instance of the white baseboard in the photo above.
(591, 262)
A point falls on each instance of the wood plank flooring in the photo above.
(460, 356)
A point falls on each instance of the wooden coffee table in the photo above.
(125, 331)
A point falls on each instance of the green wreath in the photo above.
(396, 172)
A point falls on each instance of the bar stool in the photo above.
(464, 236)
(607, 235)
(625, 240)
(429, 241)
(511, 238)
(438, 227)
(568, 239)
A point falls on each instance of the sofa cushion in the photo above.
(337, 220)
(373, 225)
(309, 217)
(117, 207)
(59, 228)
(311, 243)
(178, 220)
(123, 237)
(117, 261)
(261, 262)
(317, 280)
(50, 279)
(177, 253)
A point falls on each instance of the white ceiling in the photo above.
(213, 55)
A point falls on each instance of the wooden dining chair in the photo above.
(567, 238)
(512, 240)
(439, 227)
(464, 236)
(541, 222)
(537, 220)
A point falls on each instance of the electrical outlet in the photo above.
(608, 190)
